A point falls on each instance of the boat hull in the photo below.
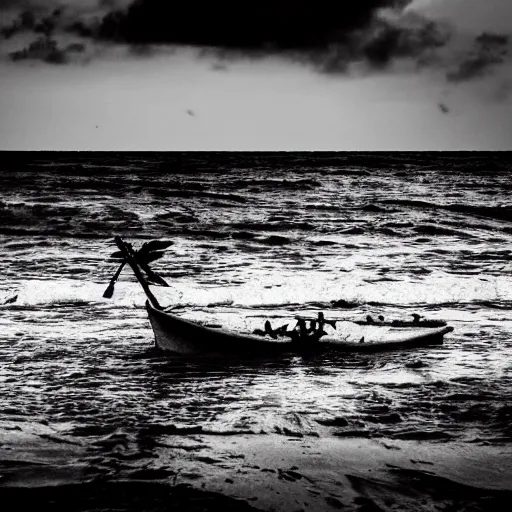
(180, 336)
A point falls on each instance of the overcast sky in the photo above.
(432, 75)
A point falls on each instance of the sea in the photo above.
(254, 236)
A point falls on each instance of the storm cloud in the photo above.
(309, 30)
(28, 22)
(48, 50)
(328, 35)
(279, 24)
(489, 50)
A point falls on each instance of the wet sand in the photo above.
(204, 472)
(360, 474)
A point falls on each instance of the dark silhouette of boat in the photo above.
(175, 334)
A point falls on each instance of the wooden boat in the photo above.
(404, 323)
(178, 335)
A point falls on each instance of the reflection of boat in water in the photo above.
(175, 334)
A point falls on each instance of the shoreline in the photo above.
(265, 472)
(329, 473)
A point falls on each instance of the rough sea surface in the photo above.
(254, 235)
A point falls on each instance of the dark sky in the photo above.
(288, 24)
(345, 75)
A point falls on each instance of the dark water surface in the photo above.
(394, 234)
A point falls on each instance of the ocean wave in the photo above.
(275, 240)
(495, 212)
(275, 184)
(196, 194)
(273, 225)
(436, 229)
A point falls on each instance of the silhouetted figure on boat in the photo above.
(312, 326)
(301, 334)
(269, 330)
(304, 336)
(303, 339)
(273, 333)
(322, 321)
